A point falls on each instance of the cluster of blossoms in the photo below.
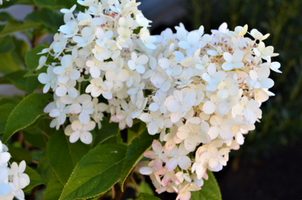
(200, 92)
(12, 180)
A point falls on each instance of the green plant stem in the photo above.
(120, 193)
(135, 185)
(33, 192)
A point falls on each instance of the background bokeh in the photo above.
(268, 165)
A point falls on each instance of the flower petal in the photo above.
(86, 137)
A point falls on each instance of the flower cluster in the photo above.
(200, 92)
(12, 180)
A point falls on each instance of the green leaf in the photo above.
(135, 131)
(15, 26)
(35, 137)
(55, 4)
(53, 190)
(8, 65)
(26, 113)
(16, 78)
(5, 16)
(32, 61)
(134, 153)
(12, 100)
(107, 131)
(32, 83)
(96, 172)
(50, 18)
(5, 111)
(21, 48)
(44, 168)
(144, 196)
(19, 154)
(44, 126)
(32, 57)
(144, 187)
(63, 155)
(6, 44)
(35, 179)
(209, 191)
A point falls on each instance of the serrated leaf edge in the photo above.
(5, 140)
(72, 173)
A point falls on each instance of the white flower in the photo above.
(81, 131)
(104, 38)
(67, 70)
(246, 107)
(84, 110)
(99, 108)
(158, 103)
(100, 53)
(131, 77)
(20, 179)
(67, 88)
(180, 103)
(49, 79)
(275, 66)
(217, 157)
(161, 81)
(58, 44)
(68, 13)
(227, 87)
(87, 35)
(197, 90)
(200, 165)
(216, 52)
(124, 117)
(260, 78)
(95, 67)
(42, 61)
(221, 127)
(193, 133)
(137, 63)
(157, 154)
(233, 61)
(241, 31)
(264, 52)
(184, 193)
(146, 38)
(209, 107)
(70, 29)
(154, 120)
(258, 36)
(213, 77)
(4, 186)
(125, 23)
(171, 138)
(115, 80)
(192, 42)
(4, 156)
(59, 111)
(178, 156)
(141, 20)
(97, 87)
(85, 2)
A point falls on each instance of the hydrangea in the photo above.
(200, 92)
(12, 179)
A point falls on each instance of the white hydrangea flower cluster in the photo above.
(12, 180)
(201, 92)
